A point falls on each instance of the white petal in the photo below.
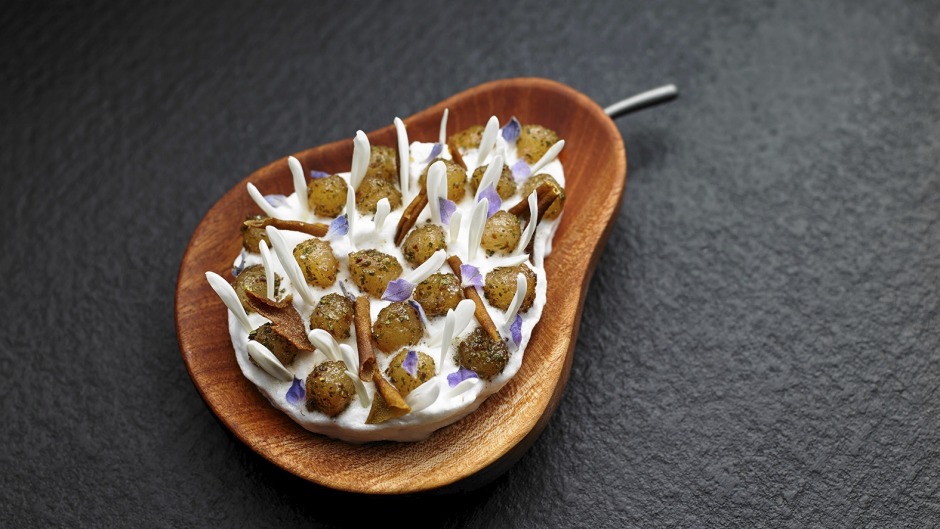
(423, 396)
(300, 186)
(267, 261)
(360, 160)
(325, 342)
(491, 175)
(404, 156)
(285, 255)
(230, 298)
(268, 362)
(432, 265)
(477, 222)
(259, 199)
(549, 155)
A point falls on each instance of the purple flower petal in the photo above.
(398, 290)
(349, 296)
(338, 228)
(295, 395)
(471, 275)
(516, 330)
(239, 265)
(410, 363)
(495, 202)
(521, 170)
(511, 130)
(448, 207)
(318, 174)
(417, 306)
(435, 152)
(276, 201)
(459, 376)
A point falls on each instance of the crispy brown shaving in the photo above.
(455, 154)
(483, 317)
(315, 229)
(387, 403)
(363, 321)
(410, 215)
(285, 320)
(545, 194)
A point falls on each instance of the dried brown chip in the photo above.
(545, 194)
(284, 318)
(363, 322)
(315, 229)
(455, 152)
(482, 316)
(410, 215)
(387, 404)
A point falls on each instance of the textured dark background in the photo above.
(759, 344)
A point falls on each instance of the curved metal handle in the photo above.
(648, 98)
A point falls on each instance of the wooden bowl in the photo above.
(483, 445)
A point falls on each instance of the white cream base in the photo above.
(452, 404)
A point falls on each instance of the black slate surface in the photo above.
(759, 346)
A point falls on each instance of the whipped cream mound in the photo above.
(435, 403)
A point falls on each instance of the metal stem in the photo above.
(651, 97)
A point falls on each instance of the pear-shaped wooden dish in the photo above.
(484, 444)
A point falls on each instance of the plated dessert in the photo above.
(386, 302)
(486, 442)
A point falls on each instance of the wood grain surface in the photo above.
(482, 445)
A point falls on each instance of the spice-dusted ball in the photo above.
(329, 388)
(316, 260)
(282, 348)
(422, 242)
(327, 196)
(439, 293)
(469, 138)
(505, 185)
(383, 163)
(500, 286)
(501, 233)
(397, 326)
(532, 183)
(252, 236)
(372, 190)
(534, 141)
(254, 280)
(421, 364)
(456, 179)
(372, 270)
(483, 355)
(333, 314)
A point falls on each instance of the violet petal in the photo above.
(511, 130)
(338, 228)
(471, 275)
(448, 207)
(435, 152)
(516, 330)
(410, 363)
(318, 174)
(295, 395)
(349, 296)
(521, 170)
(398, 290)
(495, 202)
(417, 306)
(459, 376)
(239, 265)
(276, 201)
